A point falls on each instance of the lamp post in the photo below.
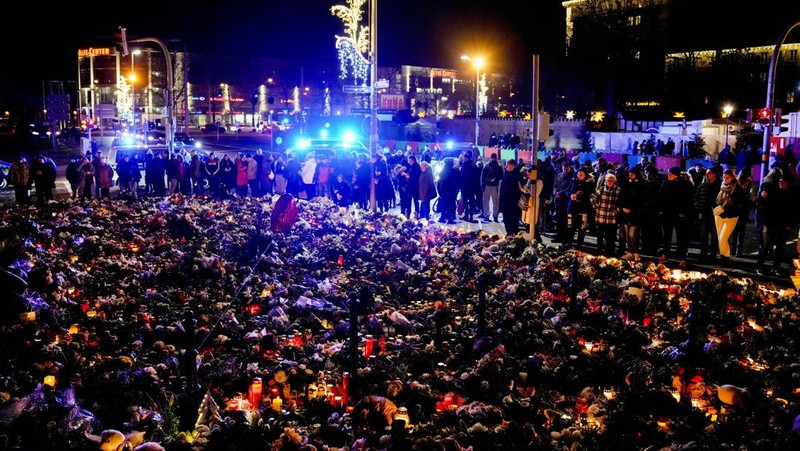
(132, 78)
(727, 109)
(478, 62)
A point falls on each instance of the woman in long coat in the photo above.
(427, 189)
(510, 192)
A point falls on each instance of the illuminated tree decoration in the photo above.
(327, 109)
(354, 46)
(296, 98)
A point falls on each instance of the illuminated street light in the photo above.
(478, 62)
(132, 78)
(727, 109)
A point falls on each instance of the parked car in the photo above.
(185, 141)
(213, 128)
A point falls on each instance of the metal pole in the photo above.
(533, 174)
(170, 126)
(727, 117)
(373, 116)
(133, 95)
(477, 102)
(773, 66)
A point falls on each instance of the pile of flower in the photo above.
(198, 323)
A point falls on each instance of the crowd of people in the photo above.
(630, 209)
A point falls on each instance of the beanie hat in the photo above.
(675, 170)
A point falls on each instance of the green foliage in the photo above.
(696, 147)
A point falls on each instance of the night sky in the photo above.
(41, 40)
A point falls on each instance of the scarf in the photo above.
(724, 196)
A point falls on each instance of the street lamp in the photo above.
(132, 78)
(478, 62)
(727, 109)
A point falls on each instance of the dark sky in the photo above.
(416, 32)
(41, 39)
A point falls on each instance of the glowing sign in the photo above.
(444, 73)
(91, 51)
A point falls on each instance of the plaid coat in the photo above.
(605, 202)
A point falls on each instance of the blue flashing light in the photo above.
(303, 143)
(348, 137)
(449, 145)
(323, 133)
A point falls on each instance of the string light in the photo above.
(354, 46)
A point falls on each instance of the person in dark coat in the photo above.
(561, 184)
(469, 174)
(705, 198)
(511, 188)
(413, 170)
(578, 207)
(776, 204)
(449, 184)
(341, 191)
(43, 173)
(631, 206)
(676, 212)
(427, 189)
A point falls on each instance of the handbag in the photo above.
(522, 203)
(718, 210)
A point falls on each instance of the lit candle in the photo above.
(448, 399)
(298, 340)
(255, 392)
(277, 403)
(50, 381)
(368, 346)
(73, 329)
(337, 401)
(402, 415)
(345, 385)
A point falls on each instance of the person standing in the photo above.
(414, 171)
(227, 175)
(605, 202)
(705, 199)
(104, 177)
(195, 173)
(401, 180)
(124, 173)
(561, 184)
(88, 179)
(324, 177)
(241, 175)
(750, 187)
(730, 198)
(449, 182)
(44, 178)
(491, 175)
(75, 177)
(362, 178)
(19, 175)
(469, 174)
(211, 168)
(252, 175)
(511, 189)
(579, 206)
(427, 189)
(631, 205)
(280, 177)
(675, 210)
(307, 173)
(776, 203)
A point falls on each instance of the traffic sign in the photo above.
(355, 89)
